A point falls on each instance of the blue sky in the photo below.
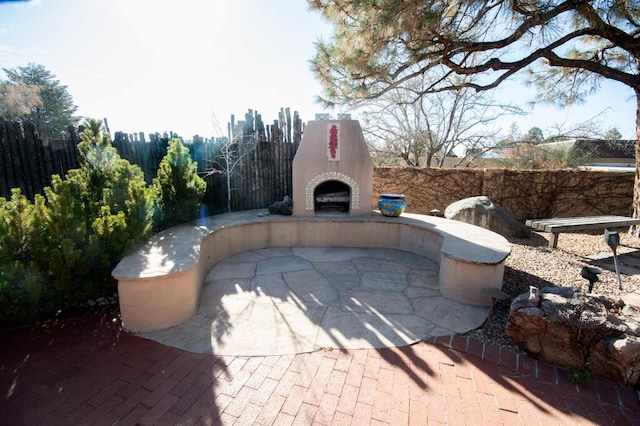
(149, 65)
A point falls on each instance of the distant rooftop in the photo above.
(599, 148)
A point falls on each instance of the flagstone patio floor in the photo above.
(289, 300)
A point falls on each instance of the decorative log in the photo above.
(6, 166)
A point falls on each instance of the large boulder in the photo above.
(581, 331)
(481, 211)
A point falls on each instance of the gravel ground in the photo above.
(533, 263)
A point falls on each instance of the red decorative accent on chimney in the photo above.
(333, 140)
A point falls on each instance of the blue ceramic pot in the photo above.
(392, 204)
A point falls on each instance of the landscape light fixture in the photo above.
(612, 239)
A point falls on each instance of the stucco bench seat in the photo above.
(159, 282)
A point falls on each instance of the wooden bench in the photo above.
(557, 225)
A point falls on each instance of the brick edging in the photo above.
(605, 391)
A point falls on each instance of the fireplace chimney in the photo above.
(332, 170)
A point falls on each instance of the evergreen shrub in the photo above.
(61, 249)
(178, 188)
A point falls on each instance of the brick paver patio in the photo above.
(88, 371)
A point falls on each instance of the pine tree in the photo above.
(53, 111)
(179, 189)
(88, 220)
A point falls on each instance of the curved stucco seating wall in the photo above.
(159, 283)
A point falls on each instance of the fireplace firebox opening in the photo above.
(332, 196)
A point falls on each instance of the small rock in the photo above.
(534, 296)
(526, 299)
(520, 301)
(555, 298)
(284, 207)
(631, 311)
(632, 324)
(567, 292)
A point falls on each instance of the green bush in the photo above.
(179, 189)
(61, 249)
(579, 377)
(16, 224)
(20, 285)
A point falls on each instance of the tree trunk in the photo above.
(416, 154)
(636, 186)
(228, 174)
(429, 159)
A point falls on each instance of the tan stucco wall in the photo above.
(524, 194)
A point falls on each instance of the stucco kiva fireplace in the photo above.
(332, 170)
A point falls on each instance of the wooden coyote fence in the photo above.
(26, 162)
(262, 177)
(265, 173)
